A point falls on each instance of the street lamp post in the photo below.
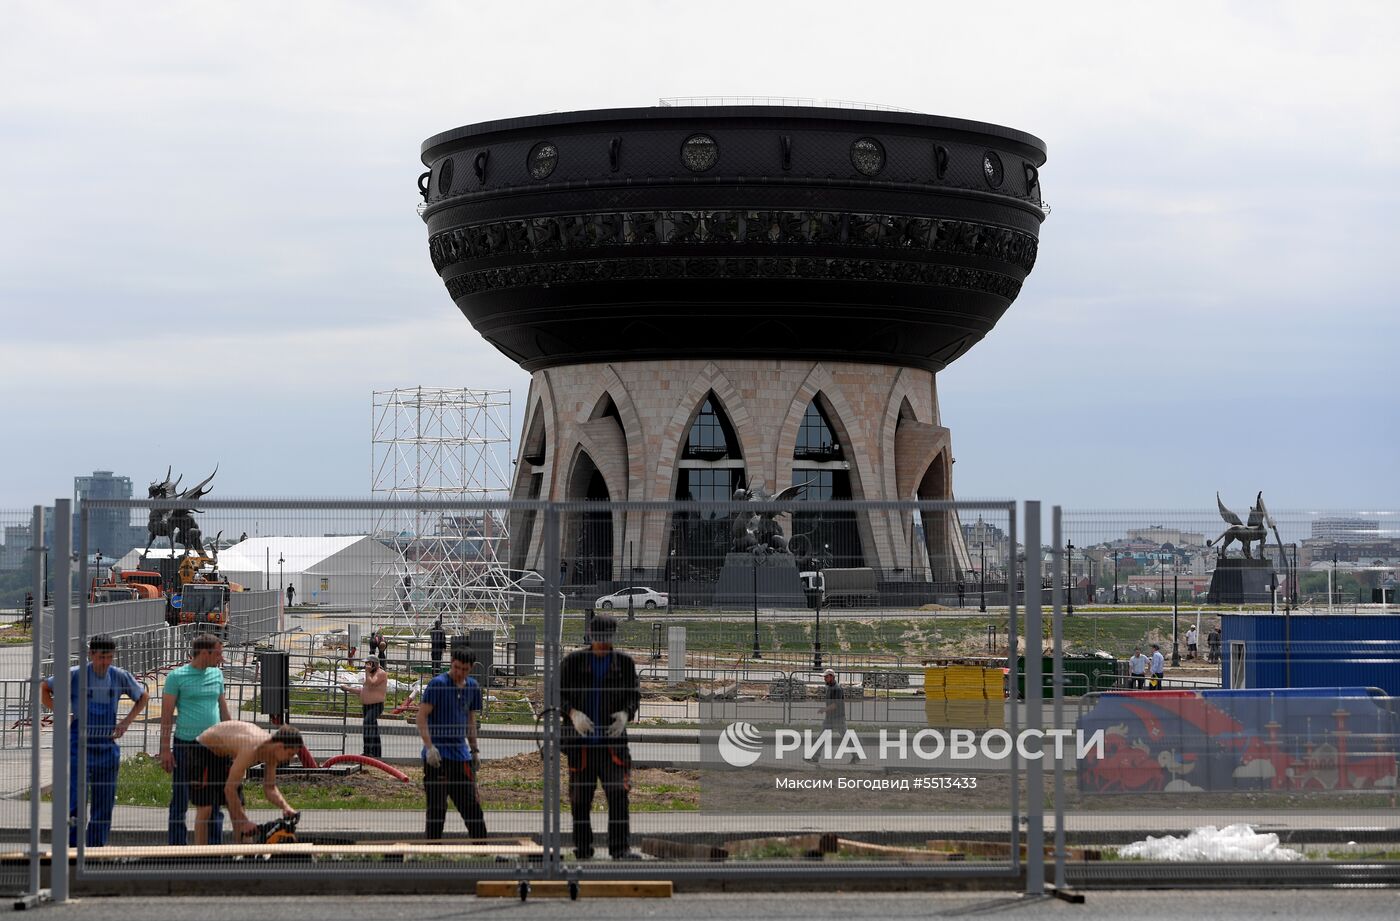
(281, 581)
(982, 581)
(671, 580)
(631, 598)
(1069, 578)
(1332, 583)
(1293, 586)
(97, 573)
(1115, 577)
(1176, 647)
(820, 593)
(756, 653)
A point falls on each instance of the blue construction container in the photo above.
(1310, 651)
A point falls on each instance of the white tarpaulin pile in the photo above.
(1233, 842)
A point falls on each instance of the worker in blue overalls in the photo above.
(106, 684)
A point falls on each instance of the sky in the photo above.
(209, 250)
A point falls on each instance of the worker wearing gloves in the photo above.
(447, 726)
(599, 695)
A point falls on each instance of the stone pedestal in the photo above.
(771, 578)
(1240, 581)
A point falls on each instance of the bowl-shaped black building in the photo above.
(733, 232)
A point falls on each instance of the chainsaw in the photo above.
(279, 831)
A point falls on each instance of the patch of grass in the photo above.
(327, 702)
(15, 635)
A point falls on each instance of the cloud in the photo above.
(221, 197)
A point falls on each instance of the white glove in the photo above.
(434, 757)
(619, 723)
(582, 724)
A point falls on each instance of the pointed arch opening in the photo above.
(819, 461)
(588, 540)
(710, 468)
(936, 528)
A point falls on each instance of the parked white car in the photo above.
(636, 597)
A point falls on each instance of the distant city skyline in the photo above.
(211, 254)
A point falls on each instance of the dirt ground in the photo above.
(512, 783)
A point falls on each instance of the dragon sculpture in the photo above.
(759, 532)
(178, 524)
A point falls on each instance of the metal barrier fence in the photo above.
(1268, 754)
(691, 812)
(739, 766)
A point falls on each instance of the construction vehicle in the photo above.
(131, 585)
(193, 590)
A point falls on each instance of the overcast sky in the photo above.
(209, 251)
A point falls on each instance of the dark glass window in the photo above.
(815, 440)
(711, 437)
(833, 538)
(700, 540)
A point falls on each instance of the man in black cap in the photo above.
(599, 695)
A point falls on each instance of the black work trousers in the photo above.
(370, 724)
(590, 765)
(455, 780)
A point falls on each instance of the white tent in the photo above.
(325, 570)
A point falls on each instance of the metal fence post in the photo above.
(36, 677)
(1057, 599)
(80, 802)
(549, 754)
(62, 572)
(1035, 692)
(1013, 671)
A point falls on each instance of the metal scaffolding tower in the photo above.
(434, 446)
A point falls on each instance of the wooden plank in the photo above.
(1003, 851)
(587, 888)
(897, 853)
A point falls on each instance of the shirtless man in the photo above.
(226, 751)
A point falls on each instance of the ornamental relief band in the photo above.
(584, 231)
(831, 269)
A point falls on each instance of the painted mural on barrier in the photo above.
(1300, 739)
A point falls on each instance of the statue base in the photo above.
(769, 580)
(1240, 581)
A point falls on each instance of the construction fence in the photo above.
(771, 734)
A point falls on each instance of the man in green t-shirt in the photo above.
(192, 702)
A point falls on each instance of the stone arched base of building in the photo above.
(623, 430)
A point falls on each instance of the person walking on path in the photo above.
(834, 712)
(192, 702)
(372, 694)
(437, 638)
(291, 593)
(106, 685)
(1137, 668)
(447, 717)
(599, 695)
(222, 756)
(1158, 667)
(1191, 643)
